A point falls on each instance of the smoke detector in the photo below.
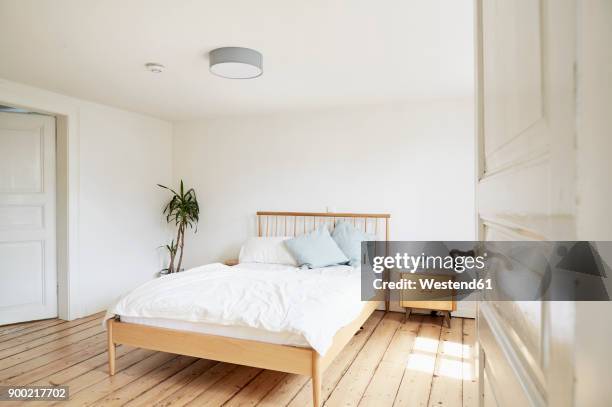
(155, 67)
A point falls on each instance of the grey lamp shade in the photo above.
(236, 62)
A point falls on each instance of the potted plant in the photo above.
(182, 210)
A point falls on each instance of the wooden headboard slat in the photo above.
(311, 219)
(325, 214)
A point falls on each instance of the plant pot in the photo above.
(165, 272)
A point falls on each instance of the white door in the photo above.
(526, 188)
(28, 278)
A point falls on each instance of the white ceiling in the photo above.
(317, 53)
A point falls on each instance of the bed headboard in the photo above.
(297, 223)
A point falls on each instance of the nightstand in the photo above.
(420, 298)
(231, 262)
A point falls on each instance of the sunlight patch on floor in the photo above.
(421, 363)
(454, 369)
(426, 345)
(448, 367)
(455, 349)
(452, 358)
(448, 347)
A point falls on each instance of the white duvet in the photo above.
(312, 303)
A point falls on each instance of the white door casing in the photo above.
(526, 187)
(28, 276)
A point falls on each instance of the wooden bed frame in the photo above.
(284, 358)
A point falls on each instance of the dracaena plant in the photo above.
(182, 210)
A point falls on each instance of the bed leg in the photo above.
(316, 379)
(111, 347)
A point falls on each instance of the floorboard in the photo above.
(415, 385)
(386, 380)
(217, 374)
(18, 345)
(447, 383)
(390, 362)
(14, 369)
(225, 389)
(146, 382)
(171, 385)
(338, 368)
(53, 328)
(351, 387)
(26, 327)
(469, 365)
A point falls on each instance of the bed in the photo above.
(220, 316)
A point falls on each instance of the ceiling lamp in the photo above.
(236, 62)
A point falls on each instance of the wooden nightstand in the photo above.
(410, 299)
(231, 262)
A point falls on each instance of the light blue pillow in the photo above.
(349, 238)
(316, 249)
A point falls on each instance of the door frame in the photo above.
(66, 113)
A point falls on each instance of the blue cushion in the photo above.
(316, 249)
(349, 238)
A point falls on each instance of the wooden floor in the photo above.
(388, 363)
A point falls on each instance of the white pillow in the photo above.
(269, 250)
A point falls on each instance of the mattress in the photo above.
(238, 332)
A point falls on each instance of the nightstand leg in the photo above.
(407, 314)
(447, 318)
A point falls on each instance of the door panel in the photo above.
(513, 92)
(21, 158)
(23, 273)
(508, 382)
(19, 217)
(27, 218)
(526, 185)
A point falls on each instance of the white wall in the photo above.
(415, 161)
(123, 157)
(116, 158)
